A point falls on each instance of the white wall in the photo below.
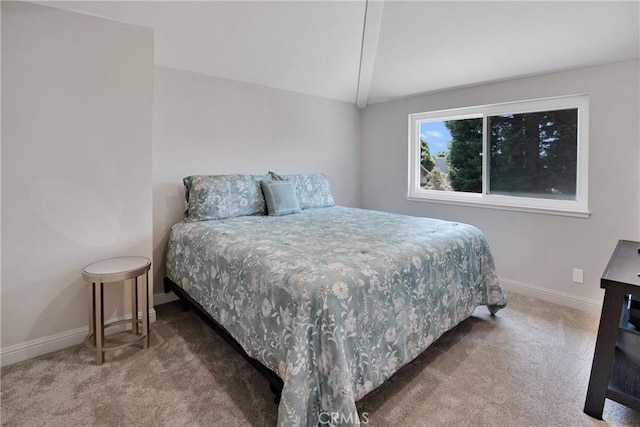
(76, 165)
(530, 249)
(209, 125)
(82, 180)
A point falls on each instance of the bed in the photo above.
(331, 299)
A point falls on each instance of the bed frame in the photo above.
(275, 383)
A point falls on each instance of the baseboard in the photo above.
(164, 298)
(546, 294)
(556, 297)
(38, 347)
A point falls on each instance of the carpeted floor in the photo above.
(528, 366)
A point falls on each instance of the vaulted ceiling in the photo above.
(365, 52)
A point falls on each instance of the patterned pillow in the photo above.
(312, 190)
(280, 197)
(223, 196)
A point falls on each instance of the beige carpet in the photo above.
(528, 366)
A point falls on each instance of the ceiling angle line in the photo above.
(364, 29)
(368, 48)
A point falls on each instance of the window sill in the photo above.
(575, 213)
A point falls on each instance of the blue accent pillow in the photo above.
(280, 197)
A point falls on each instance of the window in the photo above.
(528, 156)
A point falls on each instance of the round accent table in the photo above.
(110, 271)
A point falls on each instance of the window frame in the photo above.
(576, 208)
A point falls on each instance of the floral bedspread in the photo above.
(334, 300)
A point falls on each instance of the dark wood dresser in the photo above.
(615, 373)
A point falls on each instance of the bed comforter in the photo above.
(333, 300)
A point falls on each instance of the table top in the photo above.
(116, 268)
(623, 268)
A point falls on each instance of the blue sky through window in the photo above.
(437, 136)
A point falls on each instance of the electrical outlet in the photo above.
(578, 275)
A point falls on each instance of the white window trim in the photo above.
(576, 208)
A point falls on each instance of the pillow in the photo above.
(312, 190)
(280, 198)
(223, 196)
